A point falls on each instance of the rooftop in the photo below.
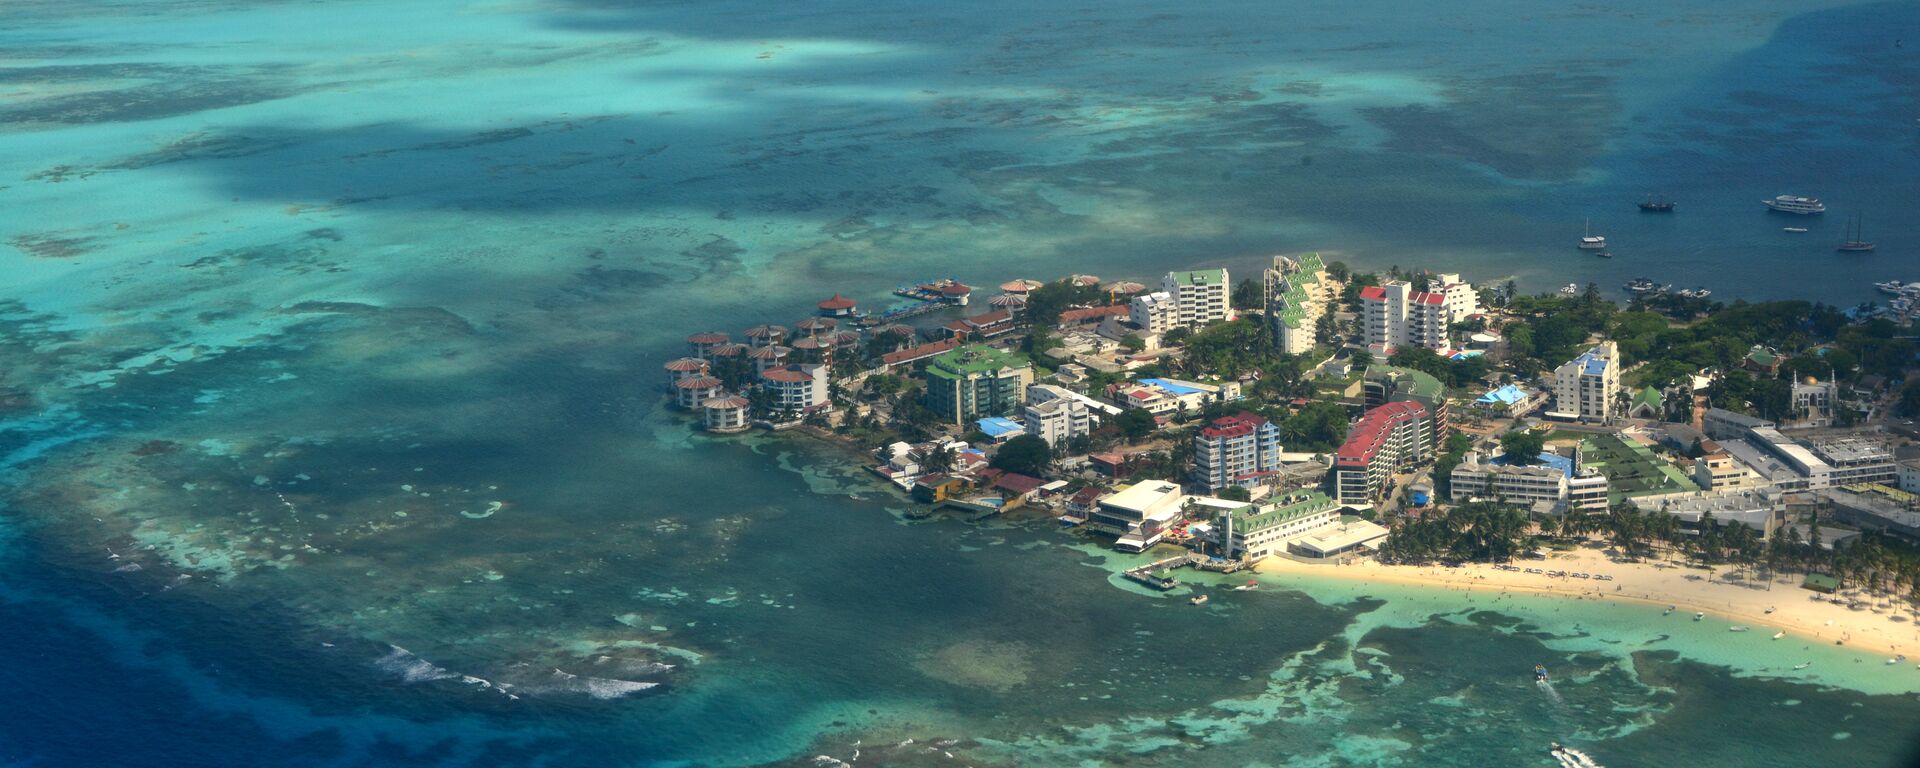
(1292, 506)
(1199, 277)
(1371, 431)
(837, 302)
(977, 359)
(996, 426)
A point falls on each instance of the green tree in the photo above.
(1235, 493)
(1361, 359)
(1248, 294)
(1026, 454)
(1320, 426)
(1338, 272)
(1136, 423)
(1522, 446)
(1132, 342)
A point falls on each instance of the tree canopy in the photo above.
(1523, 446)
(1026, 454)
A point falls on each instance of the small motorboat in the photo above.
(1778, 635)
(1793, 229)
(1198, 600)
(1670, 609)
(1540, 673)
(1891, 662)
(1737, 628)
(1605, 254)
(1803, 665)
(1698, 615)
(1249, 586)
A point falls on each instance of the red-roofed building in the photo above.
(1242, 449)
(984, 326)
(1393, 315)
(1014, 485)
(797, 389)
(1386, 440)
(1091, 315)
(838, 306)
(912, 355)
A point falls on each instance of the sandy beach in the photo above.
(1730, 598)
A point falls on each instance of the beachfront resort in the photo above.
(1316, 416)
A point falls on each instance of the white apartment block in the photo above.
(1530, 486)
(1200, 296)
(1058, 420)
(1461, 298)
(1393, 315)
(1154, 312)
(1585, 386)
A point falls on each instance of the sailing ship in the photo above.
(1591, 241)
(1656, 205)
(1854, 243)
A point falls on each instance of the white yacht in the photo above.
(1796, 204)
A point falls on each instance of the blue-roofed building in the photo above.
(1553, 484)
(1585, 388)
(1000, 428)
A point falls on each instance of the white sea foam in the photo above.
(598, 687)
(401, 663)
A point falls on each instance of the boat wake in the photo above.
(1546, 686)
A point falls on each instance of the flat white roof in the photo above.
(1337, 536)
(1143, 497)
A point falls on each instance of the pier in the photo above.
(1159, 573)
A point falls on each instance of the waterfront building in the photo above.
(701, 344)
(1200, 297)
(1385, 440)
(769, 357)
(1058, 420)
(797, 389)
(765, 335)
(685, 368)
(1138, 514)
(1154, 313)
(1459, 297)
(690, 392)
(1393, 315)
(726, 413)
(1584, 388)
(814, 349)
(1252, 531)
(1240, 450)
(1557, 485)
(1296, 298)
(1789, 464)
(911, 355)
(838, 306)
(984, 326)
(1762, 509)
(972, 381)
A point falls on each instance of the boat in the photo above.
(1853, 243)
(1804, 206)
(1793, 229)
(1250, 585)
(1780, 634)
(1198, 600)
(1540, 673)
(1641, 285)
(1769, 609)
(1570, 289)
(1737, 628)
(1894, 287)
(1891, 662)
(1803, 665)
(1591, 241)
(1605, 254)
(1572, 758)
(1656, 205)
(1669, 610)
(1698, 616)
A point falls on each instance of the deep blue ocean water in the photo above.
(331, 331)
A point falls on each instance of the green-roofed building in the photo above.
(1292, 305)
(1648, 403)
(1255, 531)
(973, 381)
(1384, 384)
(1762, 359)
(1199, 296)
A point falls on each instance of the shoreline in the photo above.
(1653, 584)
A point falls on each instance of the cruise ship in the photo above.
(1796, 204)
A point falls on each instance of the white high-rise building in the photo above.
(1200, 296)
(1154, 312)
(1585, 386)
(1058, 420)
(1393, 315)
(1462, 300)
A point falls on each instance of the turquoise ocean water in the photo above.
(331, 331)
